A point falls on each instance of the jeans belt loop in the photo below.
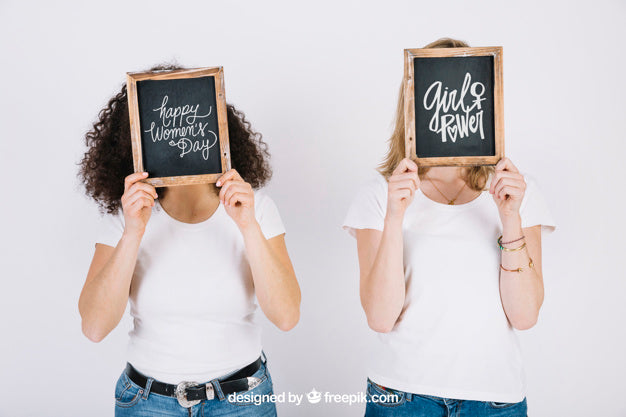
(217, 389)
(146, 390)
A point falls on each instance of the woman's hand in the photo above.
(402, 186)
(137, 203)
(508, 187)
(238, 198)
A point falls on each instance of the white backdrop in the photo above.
(320, 81)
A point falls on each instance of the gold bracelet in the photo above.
(523, 245)
(513, 250)
(530, 265)
(510, 241)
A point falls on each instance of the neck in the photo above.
(447, 185)
(190, 203)
(447, 175)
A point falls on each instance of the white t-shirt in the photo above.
(452, 339)
(192, 296)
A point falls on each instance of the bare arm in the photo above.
(105, 293)
(275, 282)
(381, 262)
(521, 291)
(382, 286)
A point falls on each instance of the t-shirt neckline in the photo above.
(452, 207)
(191, 226)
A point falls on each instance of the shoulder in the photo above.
(532, 186)
(535, 209)
(378, 180)
(267, 214)
(375, 185)
(262, 199)
(368, 207)
(110, 228)
(264, 205)
(530, 179)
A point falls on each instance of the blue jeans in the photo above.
(382, 403)
(133, 400)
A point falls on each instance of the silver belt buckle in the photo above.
(181, 394)
(253, 382)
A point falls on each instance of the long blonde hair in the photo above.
(476, 177)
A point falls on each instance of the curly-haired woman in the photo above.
(191, 260)
(450, 265)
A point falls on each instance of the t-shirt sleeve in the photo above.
(368, 208)
(534, 209)
(268, 216)
(110, 228)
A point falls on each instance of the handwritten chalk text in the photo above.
(180, 127)
(452, 117)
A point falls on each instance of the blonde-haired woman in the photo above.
(450, 265)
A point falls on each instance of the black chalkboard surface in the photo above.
(454, 112)
(178, 125)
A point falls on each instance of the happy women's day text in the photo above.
(181, 127)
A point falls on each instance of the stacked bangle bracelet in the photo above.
(522, 246)
(511, 241)
(530, 265)
(500, 243)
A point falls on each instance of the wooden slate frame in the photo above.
(409, 105)
(135, 126)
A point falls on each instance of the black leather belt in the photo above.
(191, 393)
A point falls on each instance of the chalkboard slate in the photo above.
(181, 135)
(454, 112)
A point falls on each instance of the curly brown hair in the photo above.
(109, 158)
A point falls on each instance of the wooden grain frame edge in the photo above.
(498, 101)
(222, 120)
(135, 127)
(175, 74)
(453, 52)
(457, 161)
(183, 180)
(409, 108)
(133, 105)
(409, 112)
